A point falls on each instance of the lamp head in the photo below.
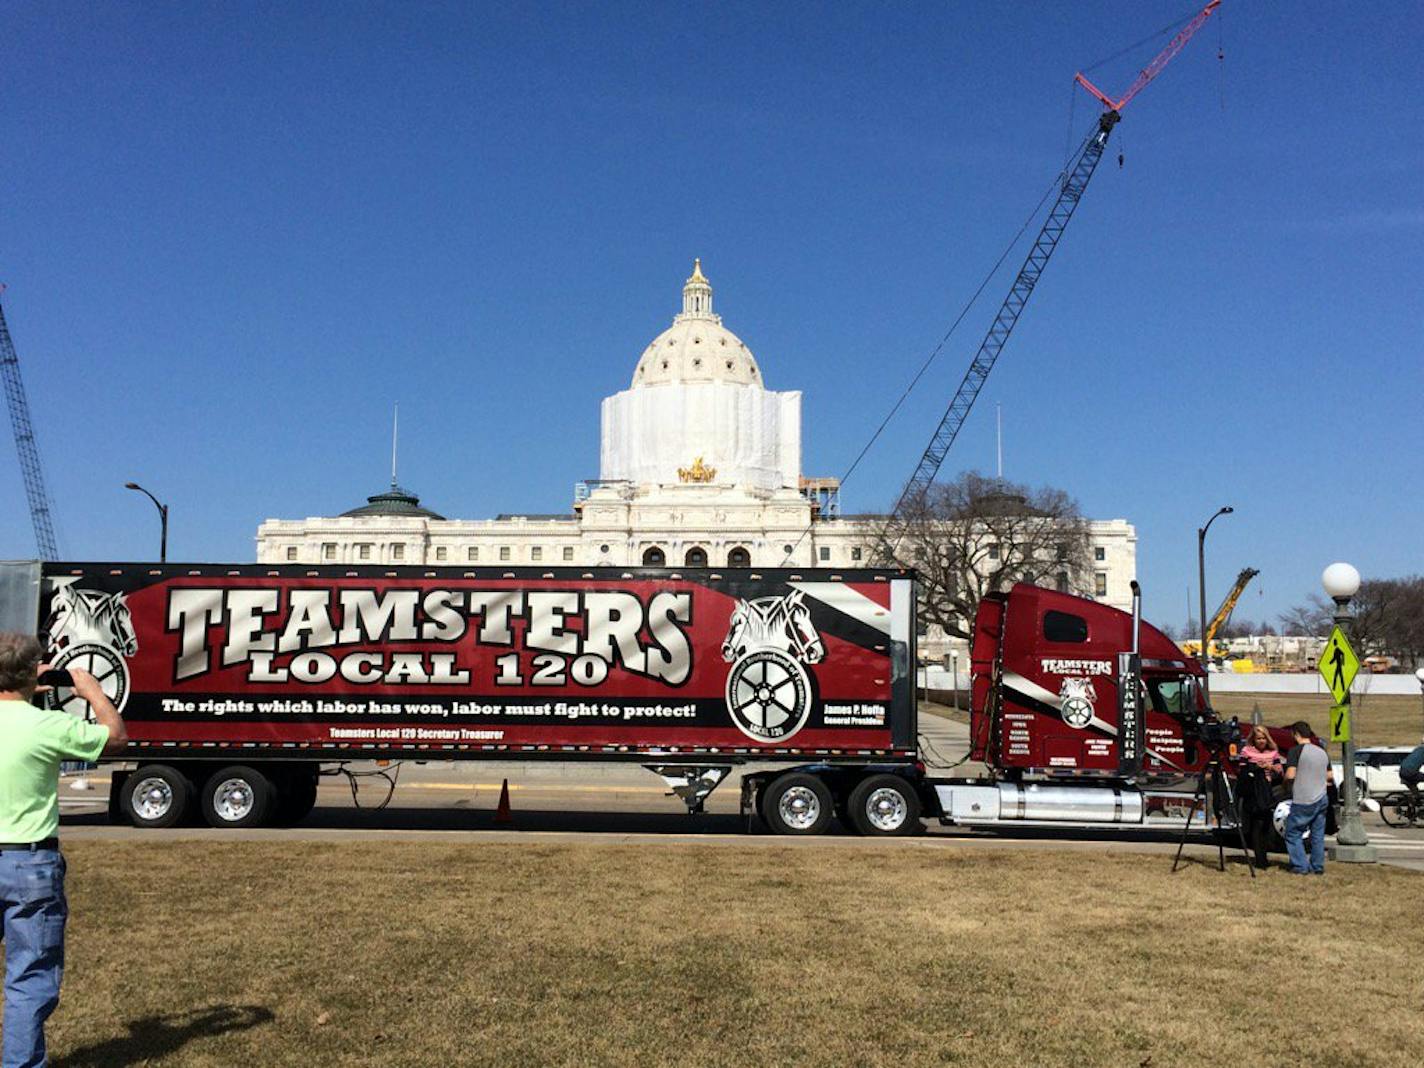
(1341, 581)
(130, 485)
(1227, 510)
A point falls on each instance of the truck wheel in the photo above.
(295, 798)
(884, 806)
(797, 804)
(237, 796)
(155, 796)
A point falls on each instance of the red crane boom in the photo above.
(1175, 45)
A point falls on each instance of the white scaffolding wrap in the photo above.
(749, 435)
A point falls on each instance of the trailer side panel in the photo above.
(329, 663)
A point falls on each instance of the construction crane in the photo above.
(40, 512)
(1223, 611)
(1075, 183)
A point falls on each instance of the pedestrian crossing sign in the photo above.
(1339, 665)
(1340, 723)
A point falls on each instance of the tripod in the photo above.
(1221, 800)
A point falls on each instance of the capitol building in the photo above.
(699, 465)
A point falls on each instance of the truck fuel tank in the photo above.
(1038, 802)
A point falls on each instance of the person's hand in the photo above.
(40, 671)
(86, 685)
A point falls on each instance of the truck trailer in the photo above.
(241, 684)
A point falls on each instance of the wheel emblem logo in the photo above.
(769, 695)
(769, 642)
(1077, 695)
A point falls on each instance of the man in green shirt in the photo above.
(33, 742)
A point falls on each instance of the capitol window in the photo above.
(1100, 583)
(397, 552)
(739, 557)
(291, 552)
(536, 553)
(363, 552)
(441, 552)
(328, 551)
(504, 552)
(568, 552)
(855, 553)
(1099, 553)
(825, 553)
(472, 553)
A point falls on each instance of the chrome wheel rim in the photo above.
(233, 799)
(152, 798)
(886, 809)
(799, 808)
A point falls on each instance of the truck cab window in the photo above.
(1168, 696)
(1064, 627)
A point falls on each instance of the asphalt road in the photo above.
(614, 803)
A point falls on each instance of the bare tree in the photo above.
(1388, 618)
(978, 535)
(1311, 620)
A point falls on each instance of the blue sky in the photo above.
(233, 235)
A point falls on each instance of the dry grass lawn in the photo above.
(1379, 719)
(428, 953)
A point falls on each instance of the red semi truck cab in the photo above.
(1083, 715)
(1048, 691)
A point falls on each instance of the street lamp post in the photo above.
(1201, 602)
(162, 519)
(1352, 845)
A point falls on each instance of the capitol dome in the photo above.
(697, 412)
(697, 347)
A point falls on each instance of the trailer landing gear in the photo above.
(693, 784)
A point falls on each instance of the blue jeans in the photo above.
(1302, 818)
(32, 896)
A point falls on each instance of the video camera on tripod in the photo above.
(1218, 735)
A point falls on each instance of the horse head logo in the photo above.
(782, 623)
(80, 616)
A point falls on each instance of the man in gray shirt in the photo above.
(1308, 772)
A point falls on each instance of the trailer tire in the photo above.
(155, 796)
(797, 803)
(295, 798)
(237, 796)
(885, 806)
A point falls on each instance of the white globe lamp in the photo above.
(1341, 581)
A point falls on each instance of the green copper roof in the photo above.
(395, 501)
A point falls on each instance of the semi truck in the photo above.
(241, 684)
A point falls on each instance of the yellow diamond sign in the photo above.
(1339, 665)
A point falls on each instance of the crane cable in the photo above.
(939, 348)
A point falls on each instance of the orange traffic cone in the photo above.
(502, 813)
